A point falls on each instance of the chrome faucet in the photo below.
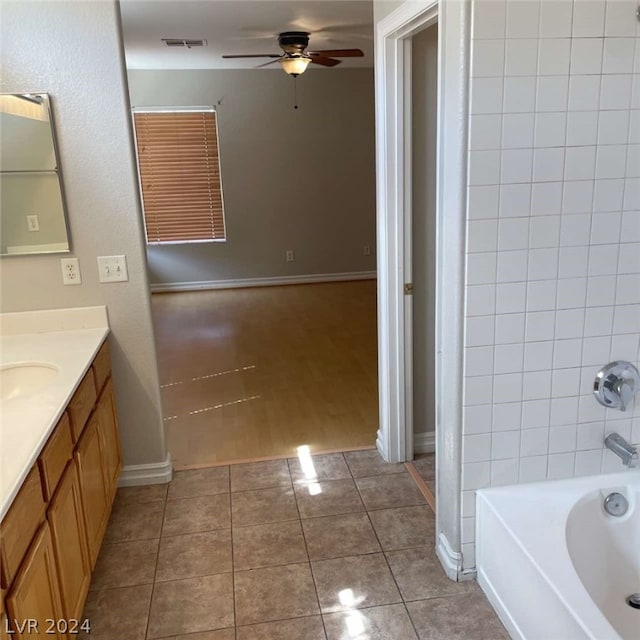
(625, 451)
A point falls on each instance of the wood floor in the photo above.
(255, 373)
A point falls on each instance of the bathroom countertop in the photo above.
(27, 421)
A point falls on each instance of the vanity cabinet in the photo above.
(51, 536)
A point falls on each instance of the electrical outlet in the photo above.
(33, 224)
(112, 269)
(291, 256)
(70, 271)
(366, 250)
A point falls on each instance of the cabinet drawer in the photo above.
(55, 455)
(102, 366)
(20, 525)
(81, 405)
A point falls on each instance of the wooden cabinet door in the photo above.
(109, 440)
(35, 594)
(69, 534)
(88, 457)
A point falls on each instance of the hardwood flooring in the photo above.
(255, 373)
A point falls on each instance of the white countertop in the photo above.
(69, 339)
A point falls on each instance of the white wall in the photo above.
(424, 92)
(72, 50)
(553, 247)
(292, 179)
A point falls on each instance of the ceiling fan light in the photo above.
(295, 65)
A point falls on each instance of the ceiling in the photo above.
(238, 27)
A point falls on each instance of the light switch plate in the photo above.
(112, 269)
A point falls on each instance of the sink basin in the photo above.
(24, 379)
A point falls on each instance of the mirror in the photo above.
(32, 208)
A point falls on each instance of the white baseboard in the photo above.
(141, 474)
(165, 287)
(424, 442)
(450, 560)
(499, 607)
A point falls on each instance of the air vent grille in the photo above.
(184, 42)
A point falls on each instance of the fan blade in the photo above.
(338, 53)
(266, 64)
(325, 62)
(255, 55)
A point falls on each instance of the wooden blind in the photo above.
(179, 169)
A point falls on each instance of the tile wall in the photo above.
(553, 239)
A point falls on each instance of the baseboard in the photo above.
(142, 474)
(450, 560)
(499, 607)
(238, 283)
(424, 442)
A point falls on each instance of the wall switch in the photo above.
(291, 256)
(112, 269)
(70, 271)
(33, 223)
(366, 250)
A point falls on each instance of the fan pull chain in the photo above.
(295, 92)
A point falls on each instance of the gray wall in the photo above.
(292, 179)
(424, 121)
(72, 50)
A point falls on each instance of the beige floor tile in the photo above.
(132, 605)
(275, 593)
(384, 492)
(419, 575)
(194, 604)
(330, 466)
(328, 498)
(340, 536)
(353, 583)
(220, 634)
(192, 515)
(377, 623)
(146, 493)
(370, 463)
(425, 463)
(194, 554)
(404, 527)
(260, 475)
(125, 564)
(267, 545)
(296, 629)
(134, 522)
(263, 506)
(467, 617)
(199, 482)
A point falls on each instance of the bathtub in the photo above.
(554, 564)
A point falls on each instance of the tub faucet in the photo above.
(625, 451)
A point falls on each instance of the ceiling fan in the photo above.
(294, 58)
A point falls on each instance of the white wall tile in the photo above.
(515, 200)
(552, 93)
(633, 161)
(608, 194)
(564, 411)
(479, 361)
(489, 19)
(478, 390)
(513, 233)
(533, 468)
(572, 293)
(521, 57)
(534, 442)
(629, 258)
(588, 18)
(605, 227)
(543, 264)
(567, 353)
(615, 92)
(507, 387)
(476, 475)
(484, 201)
(586, 56)
(516, 165)
(509, 328)
(477, 419)
(536, 385)
(634, 126)
(476, 448)
(506, 416)
(484, 167)
(540, 326)
(535, 413)
(565, 382)
(517, 130)
(628, 289)
(546, 198)
(481, 300)
(569, 323)
(573, 261)
(554, 57)
(582, 128)
(523, 18)
(468, 504)
(550, 129)
(538, 356)
(588, 463)
(486, 95)
(548, 164)
(541, 295)
(595, 350)
(577, 196)
(504, 472)
(505, 444)
(580, 163)
(479, 331)
(626, 319)
(631, 201)
(482, 235)
(520, 94)
(481, 268)
(508, 358)
(584, 92)
(544, 232)
(603, 259)
(574, 230)
(468, 530)
(620, 16)
(560, 465)
(562, 439)
(512, 266)
(556, 18)
(487, 58)
(598, 321)
(485, 132)
(618, 55)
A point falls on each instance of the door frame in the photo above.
(393, 166)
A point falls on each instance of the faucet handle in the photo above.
(616, 384)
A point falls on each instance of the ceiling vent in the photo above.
(183, 42)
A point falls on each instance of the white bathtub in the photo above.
(554, 564)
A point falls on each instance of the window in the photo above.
(179, 167)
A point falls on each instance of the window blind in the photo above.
(179, 167)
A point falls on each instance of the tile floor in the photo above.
(329, 547)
